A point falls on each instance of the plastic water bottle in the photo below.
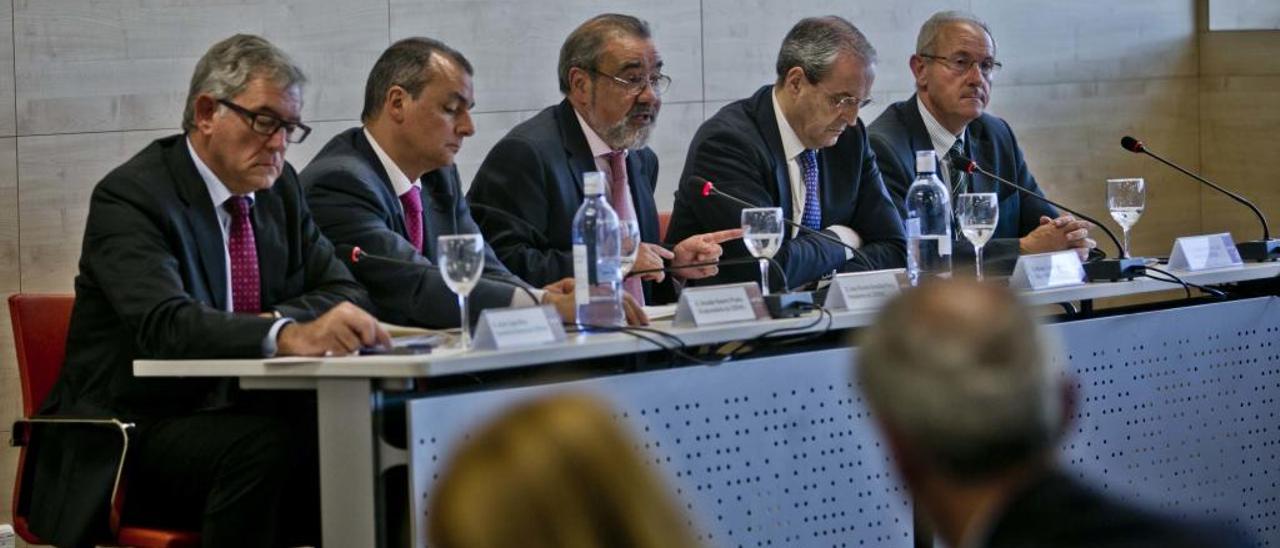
(597, 258)
(928, 222)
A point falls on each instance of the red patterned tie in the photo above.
(246, 294)
(620, 201)
(412, 203)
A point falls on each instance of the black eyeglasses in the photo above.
(268, 124)
(961, 64)
(635, 85)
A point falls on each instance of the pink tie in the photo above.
(412, 202)
(620, 201)
(241, 247)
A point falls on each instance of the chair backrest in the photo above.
(664, 219)
(40, 323)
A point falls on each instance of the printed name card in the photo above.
(503, 328)
(1047, 270)
(717, 304)
(862, 291)
(1204, 252)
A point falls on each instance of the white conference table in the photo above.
(349, 390)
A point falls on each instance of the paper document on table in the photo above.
(660, 312)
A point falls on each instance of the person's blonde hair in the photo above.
(554, 472)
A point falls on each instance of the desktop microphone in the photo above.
(709, 188)
(353, 254)
(1098, 270)
(1262, 250)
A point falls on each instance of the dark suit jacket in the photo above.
(740, 150)
(353, 201)
(152, 284)
(529, 187)
(1060, 512)
(899, 132)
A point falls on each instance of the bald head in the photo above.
(958, 371)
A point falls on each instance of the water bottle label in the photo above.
(581, 280)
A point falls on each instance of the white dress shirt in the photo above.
(942, 139)
(791, 149)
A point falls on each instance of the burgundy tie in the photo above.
(620, 201)
(245, 284)
(412, 202)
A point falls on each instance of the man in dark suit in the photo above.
(973, 411)
(201, 246)
(391, 189)
(953, 66)
(798, 145)
(529, 187)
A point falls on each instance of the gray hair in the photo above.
(226, 69)
(407, 64)
(927, 40)
(584, 45)
(959, 371)
(814, 42)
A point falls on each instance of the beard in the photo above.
(623, 135)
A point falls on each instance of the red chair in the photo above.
(40, 325)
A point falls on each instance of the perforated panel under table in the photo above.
(1180, 410)
(773, 451)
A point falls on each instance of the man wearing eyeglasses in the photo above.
(798, 144)
(529, 187)
(200, 247)
(953, 66)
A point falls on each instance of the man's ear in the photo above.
(793, 78)
(393, 104)
(917, 64)
(205, 109)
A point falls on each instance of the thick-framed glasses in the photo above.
(961, 64)
(267, 124)
(635, 85)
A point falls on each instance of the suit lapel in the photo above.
(439, 199)
(642, 197)
(917, 134)
(768, 124)
(202, 221)
(575, 144)
(386, 192)
(978, 145)
(270, 240)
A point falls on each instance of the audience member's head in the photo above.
(825, 68)
(553, 472)
(242, 110)
(957, 374)
(611, 73)
(417, 103)
(954, 64)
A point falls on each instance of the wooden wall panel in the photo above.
(117, 65)
(58, 174)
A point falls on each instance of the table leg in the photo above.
(348, 457)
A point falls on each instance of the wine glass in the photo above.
(762, 234)
(1126, 198)
(461, 260)
(978, 214)
(629, 232)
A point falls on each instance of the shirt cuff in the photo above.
(850, 238)
(269, 346)
(520, 298)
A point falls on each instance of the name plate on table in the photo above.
(1204, 252)
(717, 304)
(861, 291)
(503, 328)
(1047, 271)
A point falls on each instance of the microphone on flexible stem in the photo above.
(1262, 250)
(1096, 271)
(709, 189)
(353, 254)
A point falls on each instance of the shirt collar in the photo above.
(218, 191)
(594, 142)
(791, 145)
(399, 181)
(941, 138)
